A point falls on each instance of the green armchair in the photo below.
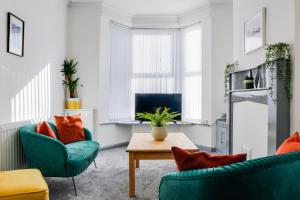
(55, 159)
(269, 178)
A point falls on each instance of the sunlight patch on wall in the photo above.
(33, 101)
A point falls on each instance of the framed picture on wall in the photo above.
(255, 32)
(15, 35)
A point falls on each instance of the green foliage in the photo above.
(68, 70)
(72, 85)
(277, 51)
(159, 118)
(279, 54)
(230, 67)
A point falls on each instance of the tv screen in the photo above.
(150, 102)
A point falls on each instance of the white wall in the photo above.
(222, 45)
(83, 45)
(280, 27)
(87, 22)
(45, 47)
(295, 110)
(109, 134)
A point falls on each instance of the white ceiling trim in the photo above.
(115, 12)
(152, 21)
(149, 21)
(151, 7)
(67, 2)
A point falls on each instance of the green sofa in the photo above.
(55, 159)
(270, 178)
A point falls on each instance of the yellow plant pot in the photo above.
(73, 103)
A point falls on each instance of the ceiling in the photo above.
(153, 7)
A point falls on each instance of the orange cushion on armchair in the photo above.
(289, 145)
(198, 160)
(45, 129)
(69, 128)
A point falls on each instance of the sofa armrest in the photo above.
(179, 186)
(259, 178)
(196, 184)
(88, 134)
(44, 153)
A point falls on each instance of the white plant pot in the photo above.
(159, 133)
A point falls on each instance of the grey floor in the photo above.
(109, 181)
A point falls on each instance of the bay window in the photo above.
(155, 61)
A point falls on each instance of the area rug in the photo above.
(109, 181)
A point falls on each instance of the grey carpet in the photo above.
(109, 181)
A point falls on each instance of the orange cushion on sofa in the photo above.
(289, 145)
(45, 129)
(69, 128)
(198, 160)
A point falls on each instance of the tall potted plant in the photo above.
(158, 121)
(69, 69)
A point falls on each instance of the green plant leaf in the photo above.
(69, 68)
(159, 118)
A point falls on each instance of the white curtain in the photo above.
(192, 72)
(155, 62)
(120, 73)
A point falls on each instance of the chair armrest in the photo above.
(88, 134)
(42, 152)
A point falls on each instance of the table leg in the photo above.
(137, 163)
(131, 175)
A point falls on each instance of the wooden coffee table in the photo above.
(143, 147)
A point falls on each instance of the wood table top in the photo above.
(143, 142)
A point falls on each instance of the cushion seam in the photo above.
(23, 193)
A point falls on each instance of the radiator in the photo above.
(11, 153)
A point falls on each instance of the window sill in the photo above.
(179, 123)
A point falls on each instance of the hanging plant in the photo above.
(279, 54)
(230, 67)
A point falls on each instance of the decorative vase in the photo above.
(73, 103)
(159, 133)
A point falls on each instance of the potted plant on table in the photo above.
(158, 121)
(69, 70)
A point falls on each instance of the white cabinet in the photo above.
(87, 116)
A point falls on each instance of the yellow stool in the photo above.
(27, 184)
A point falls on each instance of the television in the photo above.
(146, 102)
